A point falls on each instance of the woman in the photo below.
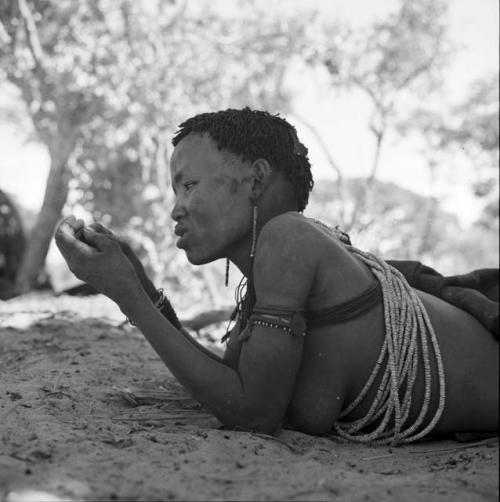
(327, 337)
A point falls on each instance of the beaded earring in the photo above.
(249, 299)
(254, 232)
(227, 272)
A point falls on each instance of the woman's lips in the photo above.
(182, 239)
(181, 232)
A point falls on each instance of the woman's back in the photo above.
(339, 358)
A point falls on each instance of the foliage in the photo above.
(393, 63)
(469, 132)
(403, 225)
(107, 82)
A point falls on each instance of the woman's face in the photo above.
(213, 207)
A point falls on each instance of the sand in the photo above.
(70, 429)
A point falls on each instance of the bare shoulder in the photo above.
(290, 235)
(290, 222)
(285, 260)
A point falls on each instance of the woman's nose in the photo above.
(179, 210)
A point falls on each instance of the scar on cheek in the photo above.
(231, 182)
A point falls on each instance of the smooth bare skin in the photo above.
(275, 376)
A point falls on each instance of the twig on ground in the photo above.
(319, 489)
(483, 442)
(55, 392)
(162, 415)
(20, 457)
(136, 396)
(292, 448)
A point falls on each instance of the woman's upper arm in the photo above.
(270, 358)
(233, 347)
(285, 263)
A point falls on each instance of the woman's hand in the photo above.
(97, 259)
(148, 286)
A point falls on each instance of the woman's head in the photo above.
(254, 134)
(223, 164)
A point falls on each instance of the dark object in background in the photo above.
(475, 292)
(80, 290)
(12, 245)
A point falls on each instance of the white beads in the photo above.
(406, 324)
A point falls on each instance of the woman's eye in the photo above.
(189, 184)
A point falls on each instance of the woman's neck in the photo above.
(240, 256)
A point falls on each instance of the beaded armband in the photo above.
(290, 321)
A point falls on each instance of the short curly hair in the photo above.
(255, 134)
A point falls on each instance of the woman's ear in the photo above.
(261, 176)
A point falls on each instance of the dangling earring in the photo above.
(254, 232)
(249, 299)
(227, 272)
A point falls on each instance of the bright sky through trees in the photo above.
(342, 122)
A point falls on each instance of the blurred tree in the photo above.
(473, 130)
(395, 220)
(391, 207)
(41, 68)
(106, 83)
(466, 137)
(391, 63)
(12, 244)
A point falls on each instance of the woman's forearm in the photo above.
(205, 376)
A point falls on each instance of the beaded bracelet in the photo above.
(158, 304)
(161, 299)
(162, 303)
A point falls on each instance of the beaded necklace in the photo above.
(407, 326)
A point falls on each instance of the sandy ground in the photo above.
(68, 431)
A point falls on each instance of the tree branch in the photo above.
(205, 319)
(4, 36)
(321, 143)
(361, 200)
(329, 158)
(417, 71)
(33, 40)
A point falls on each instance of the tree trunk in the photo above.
(56, 193)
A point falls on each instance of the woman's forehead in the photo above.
(198, 153)
(193, 149)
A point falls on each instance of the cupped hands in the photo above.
(96, 258)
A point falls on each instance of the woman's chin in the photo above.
(197, 258)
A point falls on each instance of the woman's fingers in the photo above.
(100, 241)
(69, 220)
(77, 227)
(69, 244)
(63, 227)
(71, 224)
(99, 227)
(75, 252)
